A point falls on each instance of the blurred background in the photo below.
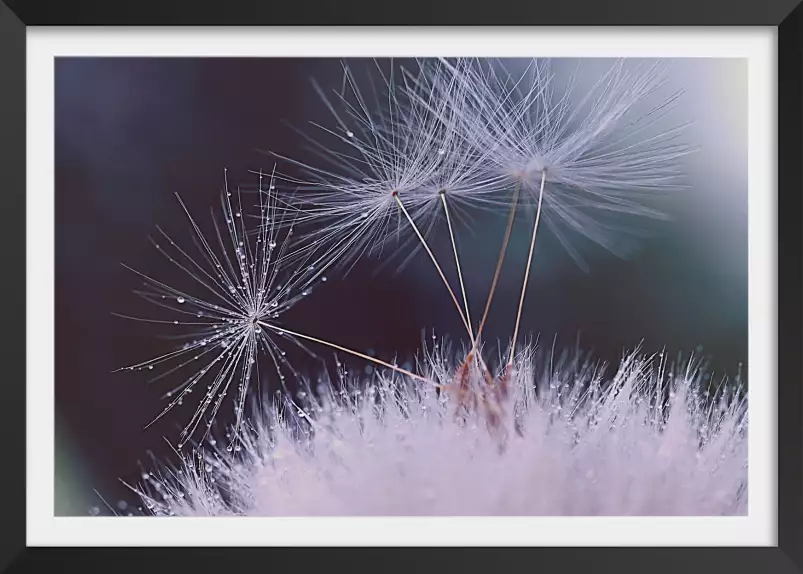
(132, 132)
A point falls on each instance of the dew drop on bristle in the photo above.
(180, 299)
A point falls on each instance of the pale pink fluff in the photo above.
(645, 441)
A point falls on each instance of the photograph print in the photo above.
(401, 287)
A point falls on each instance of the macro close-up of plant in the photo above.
(413, 164)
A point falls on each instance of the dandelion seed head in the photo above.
(576, 443)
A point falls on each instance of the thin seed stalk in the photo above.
(437, 266)
(456, 259)
(349, 351)
(527, 271)
(499, 261)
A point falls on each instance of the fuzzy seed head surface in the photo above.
(566, 439)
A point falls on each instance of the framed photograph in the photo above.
(318, 283)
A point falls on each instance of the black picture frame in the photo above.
(787, 15)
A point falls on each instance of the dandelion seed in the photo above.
(239, 310)
(229, 277)
(396, 173)
(599, 154)
(594, 155)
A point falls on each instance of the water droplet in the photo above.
(349, 133)
(272, 244)
(323, 279)
(180, 299)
